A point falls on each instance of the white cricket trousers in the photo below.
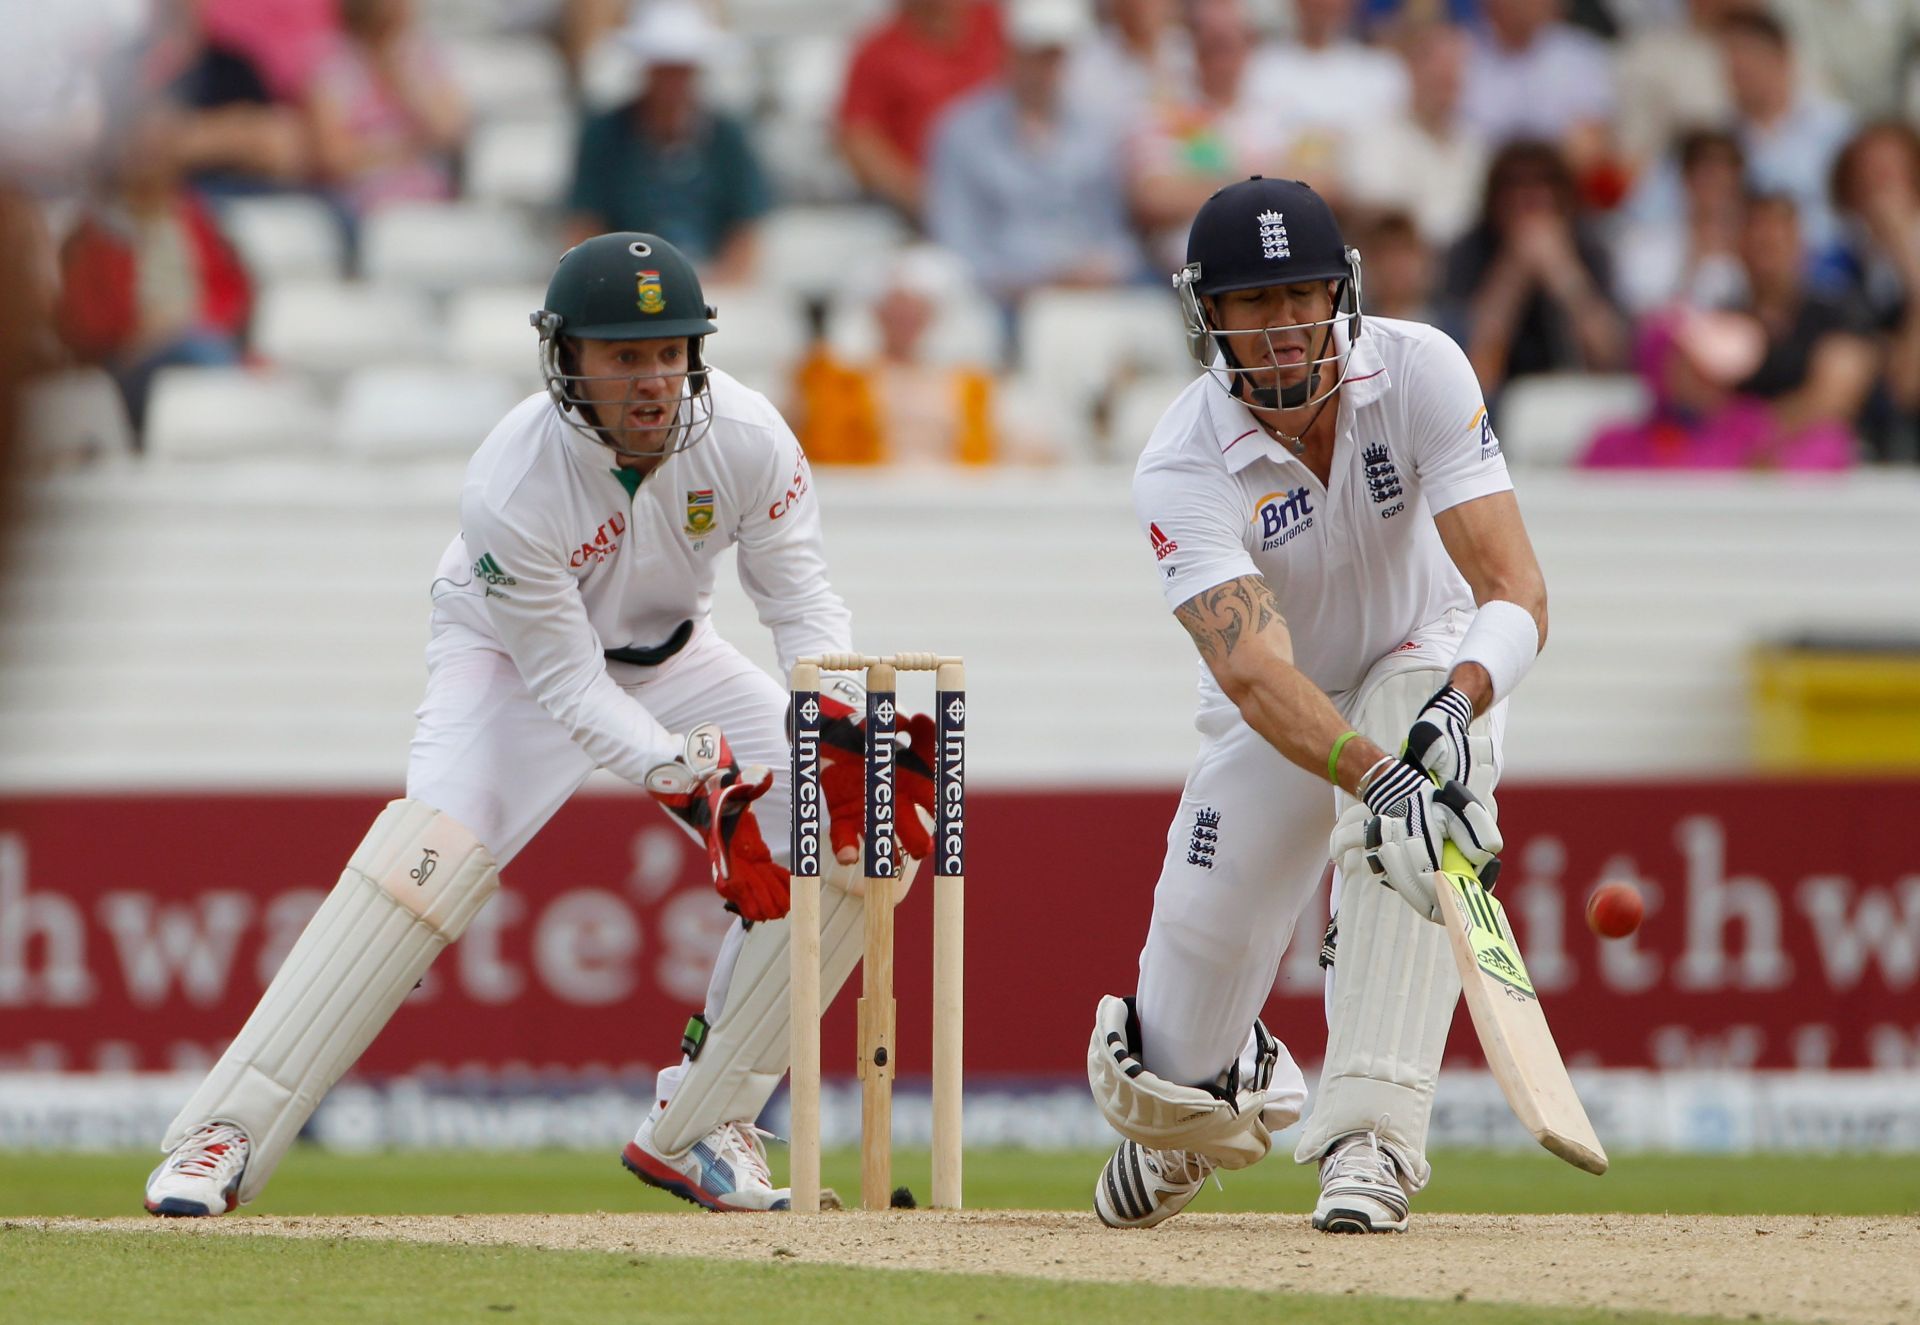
(1245, 853)
(488, 754)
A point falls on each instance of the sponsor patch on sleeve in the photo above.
(1489, 444)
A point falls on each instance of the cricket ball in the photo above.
(1615, 910)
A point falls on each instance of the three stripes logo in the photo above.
(1163, 547)
(1493, 948)
(486, 568)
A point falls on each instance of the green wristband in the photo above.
(1333, 759)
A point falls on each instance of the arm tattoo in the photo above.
(1226, 614)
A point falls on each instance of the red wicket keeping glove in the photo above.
(710, 795)
(843, 779)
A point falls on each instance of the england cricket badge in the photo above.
(700, 512)
(652, 298)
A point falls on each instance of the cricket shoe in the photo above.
(1140, 1187)
(1362, 1187)
(724, 1170)
(201, 1175)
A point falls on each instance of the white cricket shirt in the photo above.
(558, 559)
(1357, 565)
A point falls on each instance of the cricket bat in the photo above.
(1508, 1018)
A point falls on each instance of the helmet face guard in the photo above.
(1213, 349)
(692, 416)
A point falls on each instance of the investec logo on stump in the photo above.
(806, 785)
(1281, 515)
(951, 812)
(880, 862)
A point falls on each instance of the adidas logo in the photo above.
(1163, 547)
(486, 568)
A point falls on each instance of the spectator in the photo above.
(899, 407)
(1425, 161)
(1672, 81)
(1028, 187)
(231, 135)
(288, 41)
(668, 163)
(1399, 269)
(147, 280)
(1696, 259)
(1532, 284)
(1876, 190)
(1323, 82)
(1140, 59)
(1534, 76)
(1775, 384)
(1789, 133)
(903, 74)
(386, 114)
(1182, 153)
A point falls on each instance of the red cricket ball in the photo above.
(1615, 910)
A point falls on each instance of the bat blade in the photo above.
(1508, 1017)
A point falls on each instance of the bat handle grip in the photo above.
(1454, 862)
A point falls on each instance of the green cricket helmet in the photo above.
(626, 286)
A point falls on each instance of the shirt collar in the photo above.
(1242, 440)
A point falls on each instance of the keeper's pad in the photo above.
(745, 1050)
(1232, 1123)
(1392, 986)
(411, 888)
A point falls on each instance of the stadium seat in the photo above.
(232, 413)
(762, 333)
(75, 415)
(817, 250)
(506, 78)
(442, 247)
(331, 327)
(487, 328)
(1134, 411)
(1548, 420)
(1085, 342)
(416, 411)
(967, 329)
(287, 235)
(529, 162)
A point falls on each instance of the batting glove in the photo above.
(1411, 819)
(710, 794)
(1438, 739)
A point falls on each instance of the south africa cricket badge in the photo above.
(700, 512)
(652, 298)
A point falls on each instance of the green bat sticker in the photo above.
(1493, 946)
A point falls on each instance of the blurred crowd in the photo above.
(1716, 199)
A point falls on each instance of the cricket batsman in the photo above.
(571, 631)
(1333, 523)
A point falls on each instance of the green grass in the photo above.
(317, 1182)
(51, 1278)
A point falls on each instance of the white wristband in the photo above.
(1505, 640)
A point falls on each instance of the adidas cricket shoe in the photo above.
(1140, 1187)
(201, 1175)
(1361, 1187)
(724, 1170)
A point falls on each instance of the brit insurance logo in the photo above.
(1489, 444)
(1282, 515)
(1383, 480)
(1273, 236)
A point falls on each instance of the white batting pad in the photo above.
(1164, 1115)
(412, 887)
(746, 1048)
(1393, 986)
